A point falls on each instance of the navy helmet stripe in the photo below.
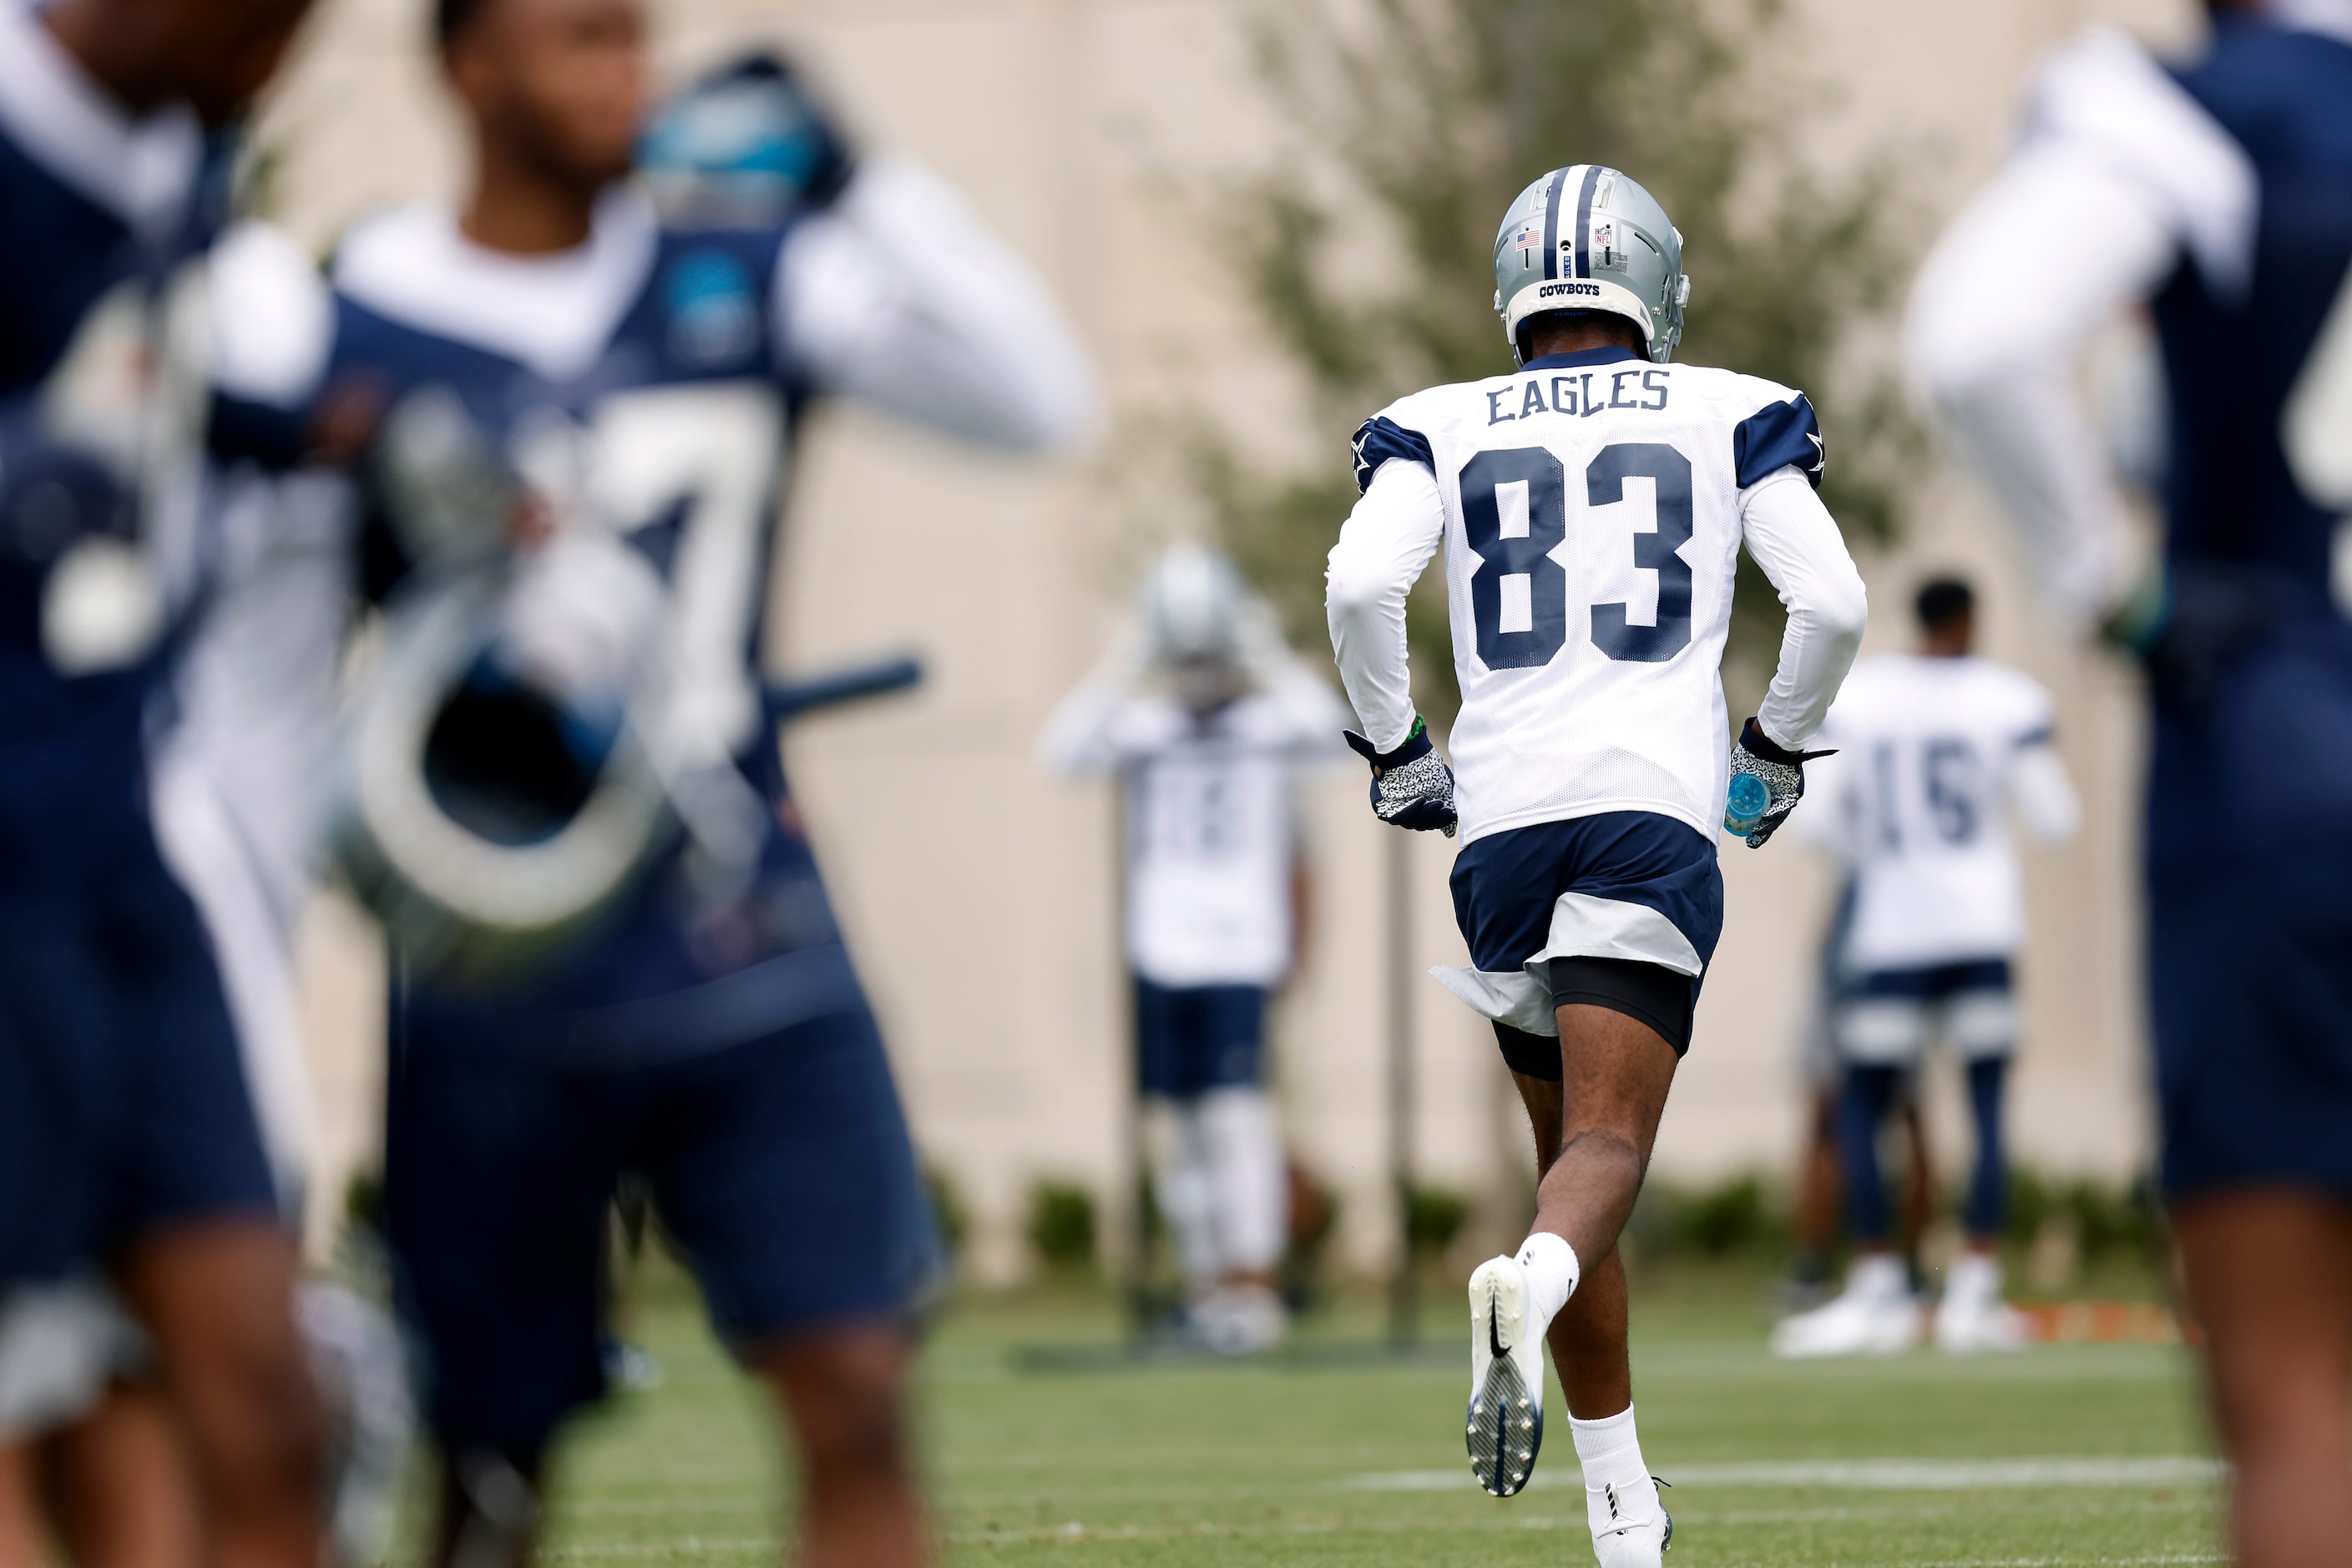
(1584, 220)
(1551, 223)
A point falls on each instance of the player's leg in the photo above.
(1880, 1025)
(1241, 1142)
(21, 1535)
(125, 1496)
(1594, 1041)
(1168, 1073)
(1588, 1336)
(216, 1297)
(1980, 1023)
(1819, 1189)
(207, 1265)
(1616, 1069)
(843, 1395)
(783, 1168)
(2269, 1278)
(499, 1169)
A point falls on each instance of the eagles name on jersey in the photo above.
(1591, 508)
(1934, 755)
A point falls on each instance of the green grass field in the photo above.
(2078, 1455)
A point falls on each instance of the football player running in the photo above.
(587, 402)
(1217, 901)
(128, 1144)
(1936, 751)
(2217, 192)
(1591, 508)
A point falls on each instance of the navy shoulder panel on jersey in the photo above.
(1778, 435)
(711, 301)
(2233, 363)
(1380, 438)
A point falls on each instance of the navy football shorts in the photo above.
(781, 1167)
(123, 1109)
(1190, 1039)
(1622, 910)
(2250, 922)
(1885, 1017)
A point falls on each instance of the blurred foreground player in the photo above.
(566, 800)
(127, 1142)
(1936, 750)
(1591, 508)
(1216, 908)
(2218, 193)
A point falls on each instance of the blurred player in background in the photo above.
(1935, 750)
(129, 1145)
(1218, 898)
(579, 403)
(1591, 508)
(2217, 192)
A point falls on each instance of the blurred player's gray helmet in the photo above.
(486, 813)
(1587, 238)
(1192, 604)
(513, 761)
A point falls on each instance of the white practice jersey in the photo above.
(1212, 820)
(1591, 508)
(1934, 755)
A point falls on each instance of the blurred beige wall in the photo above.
(977, 891)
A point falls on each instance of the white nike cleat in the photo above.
(1631, 1526)
(1874, 1315)
(1972, 1317)
(1506, 1377)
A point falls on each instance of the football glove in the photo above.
(2189, 624)
(1766, 781)
(1411, 787)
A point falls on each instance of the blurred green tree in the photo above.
(1420, 120)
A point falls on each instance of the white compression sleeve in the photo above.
(1181, 1186)
(897, 295)
(1383, 547)
(1240, 1141)
(1081, 739)
(2042, 794)
(2116, 150)
(1993, 362)
(1793, 538)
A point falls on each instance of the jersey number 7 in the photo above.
(1518, 596)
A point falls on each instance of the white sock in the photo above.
(1879, 1275)
(1618, 1491)
(1974, 1278)
(1552, 1271)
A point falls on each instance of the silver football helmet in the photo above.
(1588, 238)
(1192, 604)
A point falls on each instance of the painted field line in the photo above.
(1863, 1475)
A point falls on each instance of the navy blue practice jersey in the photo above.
(100, 427)
(2234, 356)
(645, 389)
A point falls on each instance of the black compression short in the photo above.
(1649, 994)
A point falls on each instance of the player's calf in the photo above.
(217, 1297)
(844, 1394)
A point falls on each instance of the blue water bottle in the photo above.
(1745, 805)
